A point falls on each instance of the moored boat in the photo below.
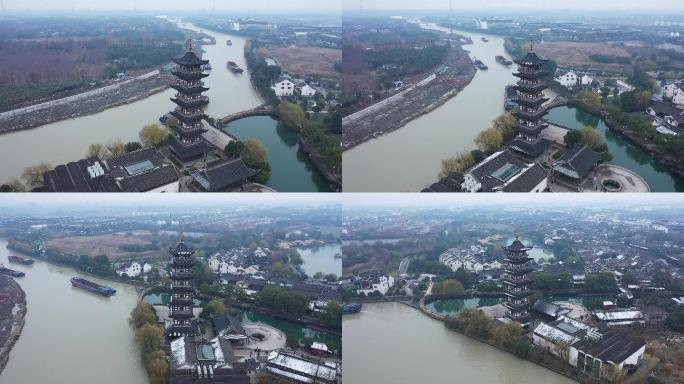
(11, 272)
(502, 60)
(479, 64)
(234, 67)
(509, 94)
(20, 260)
(92, 287)
(350, 308)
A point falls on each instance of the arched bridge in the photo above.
(262, 110)
(559, 101)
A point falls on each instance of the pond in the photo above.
(291, 170)
(293, 330)
(452, 307)
(322, 259)
(625, 154)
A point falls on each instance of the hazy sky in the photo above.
(512, 200)
(172, 5)
(652, 5)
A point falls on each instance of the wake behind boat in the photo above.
(102, 290)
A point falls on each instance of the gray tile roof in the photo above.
(577, 162)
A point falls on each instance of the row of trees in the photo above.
(476, 323)
(149, 336)
(283, 301)
(488, 141)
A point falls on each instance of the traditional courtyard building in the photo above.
(187, 143)
(528, 142)
(575, 166)
(144, 170)
(181, 292)
(516, 284)
(202, 361)
(288, 368)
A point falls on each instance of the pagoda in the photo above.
(529, 97)
(181, 291)
(187, 143)
(516, 268)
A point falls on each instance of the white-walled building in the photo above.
(586, 79)
(503, 172)
(587, 349)
(675, 91)
(307, 91)
(132, 270)
(380, 284)
(568, 80)
(284, 88)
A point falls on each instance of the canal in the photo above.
(68, 140)
(291, 171)
(625, 154)
(391, 343)
(322, 259)
(67, 325)
(409, 158)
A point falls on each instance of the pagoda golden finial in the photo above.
(190, 47)
(531, 47)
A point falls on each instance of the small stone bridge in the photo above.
(559, 101)
(262, 110)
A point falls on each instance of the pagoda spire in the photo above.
(182, 300)
(530, 98)
(187, 143)
(516, 270)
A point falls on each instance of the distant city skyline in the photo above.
(508, 5)
(261, 6)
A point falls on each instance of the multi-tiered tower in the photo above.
(187, 143)
(516, 268)
(181, 291)
(530, 96)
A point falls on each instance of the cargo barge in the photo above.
(229, 42)
(479, 64)
(351, 308)
(234, 67)
(11, 272)
(20, 260)
(102, 290)
(502, 60)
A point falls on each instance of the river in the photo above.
(66, 327)
(391, 343)
(409, 158)
(625, 154)
(68, 140)
(322, 259)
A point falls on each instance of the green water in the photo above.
(291, 171)
(625, 154)
(293, 330)
(454, 306)
(163, 299)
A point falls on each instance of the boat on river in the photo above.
(479, 64)
(229, 42)
(11, 272)
(351, 308)
(234, 67)
(509, 94)
(484, 39)
(20, 260)
(102, 290)
(502, 60)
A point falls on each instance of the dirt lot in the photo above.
(308, 61)
(569, 54)
(99, 245)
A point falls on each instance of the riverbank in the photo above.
(398, 110)
(12, 315)
(14, 245)
(83, 104)
(333, 179)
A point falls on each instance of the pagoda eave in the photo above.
(198, 103)
(189, 118)
(189, 76)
